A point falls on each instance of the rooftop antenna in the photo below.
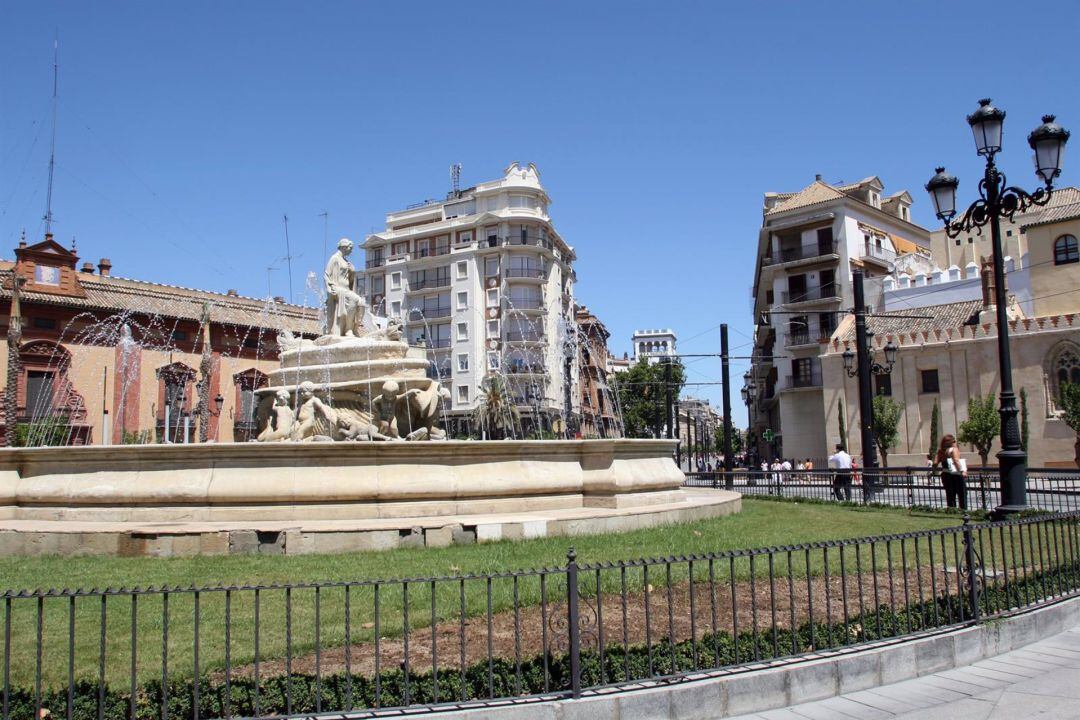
(288, 256)
(52, 153)
(455, 180)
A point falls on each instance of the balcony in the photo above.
(813, 294)
(525, 272)
(428, 283)
(524, 304)
(375, 262)
(806, 338)
(437, 344)
(804, 380)
(432, 252)
(534, 336)
(882, 255)
(806, 251)
(439, 374)
(525, 369)
(421, 314)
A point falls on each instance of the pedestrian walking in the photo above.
(840, 464)
(953, 472)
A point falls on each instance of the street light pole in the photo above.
(998, 199)
(866, 393)
(724, 363)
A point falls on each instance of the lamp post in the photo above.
(861, 363)
(749, 396)
(996, 200)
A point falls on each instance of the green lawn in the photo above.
(761, 523)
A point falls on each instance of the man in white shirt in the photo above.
(840, 461)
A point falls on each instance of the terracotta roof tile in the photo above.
(942, 317)
(123, 295)
(813, 194)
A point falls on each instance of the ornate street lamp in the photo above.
(996, 200)
(875, 367)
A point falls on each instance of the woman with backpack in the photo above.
(953, 472)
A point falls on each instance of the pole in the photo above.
(168, 407)
(866, 407)
(1012, 460)
(667, 397)
(724, 377)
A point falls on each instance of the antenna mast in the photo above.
(325, 226)
(52, 153)
(455, 180)
(288, 256)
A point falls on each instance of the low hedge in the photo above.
(339, 692)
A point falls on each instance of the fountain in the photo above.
(348, 456)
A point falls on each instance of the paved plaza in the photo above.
(1041, 680)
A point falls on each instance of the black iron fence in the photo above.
(360, 647)
(1050, 489)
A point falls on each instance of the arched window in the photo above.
(1062, 367)
(1066, 250)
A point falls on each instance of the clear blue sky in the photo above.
(187, 129)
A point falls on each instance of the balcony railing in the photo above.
(525, 272)
(878, 253)
(429, 282)
(524, 336)
(824, 292)
(525, 369)
(436, 344)
(802, 252)
(524, 303)
(438, 373)
(804, 380)
(375, 262)
(806, 338)
(432, 252)
(416, 314)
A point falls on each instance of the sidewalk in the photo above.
(1040, 681)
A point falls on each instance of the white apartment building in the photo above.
(808, 244)
(485, 283)
(653, 344)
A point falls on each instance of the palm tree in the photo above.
(495, 411)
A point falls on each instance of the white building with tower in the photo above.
(653, 344)
(485, 285)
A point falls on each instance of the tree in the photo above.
(1025, 430)
(640, 391)
(843, 427)
(886, 423)
(495, 412)
(935, 430)
(1070, 404)
(982, 426)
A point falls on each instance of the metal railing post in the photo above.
(971, 568)
(573, 622)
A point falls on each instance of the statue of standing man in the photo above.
(344, 307)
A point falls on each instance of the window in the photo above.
(465, 237)
(395, 308)
(377, 284)
(463, 331)
(493, 361)
(399, 248)
(41, 323)
(39, 392)
(827, 323)
(493, 298)
(395, 281)
(491, 267)
(1066, 250)
(929, 381)
(179, 335)
(802, 372)
(462, 300)
(463, 363)
(462, 270)
(47, 275)
(493, 328)
(957, 242)
(463, 393)
(492, 235)
(971, 240)
(1008, 233)
(825, 240)
(1065, 369)
(883, 385)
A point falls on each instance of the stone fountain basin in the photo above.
(233, 482)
